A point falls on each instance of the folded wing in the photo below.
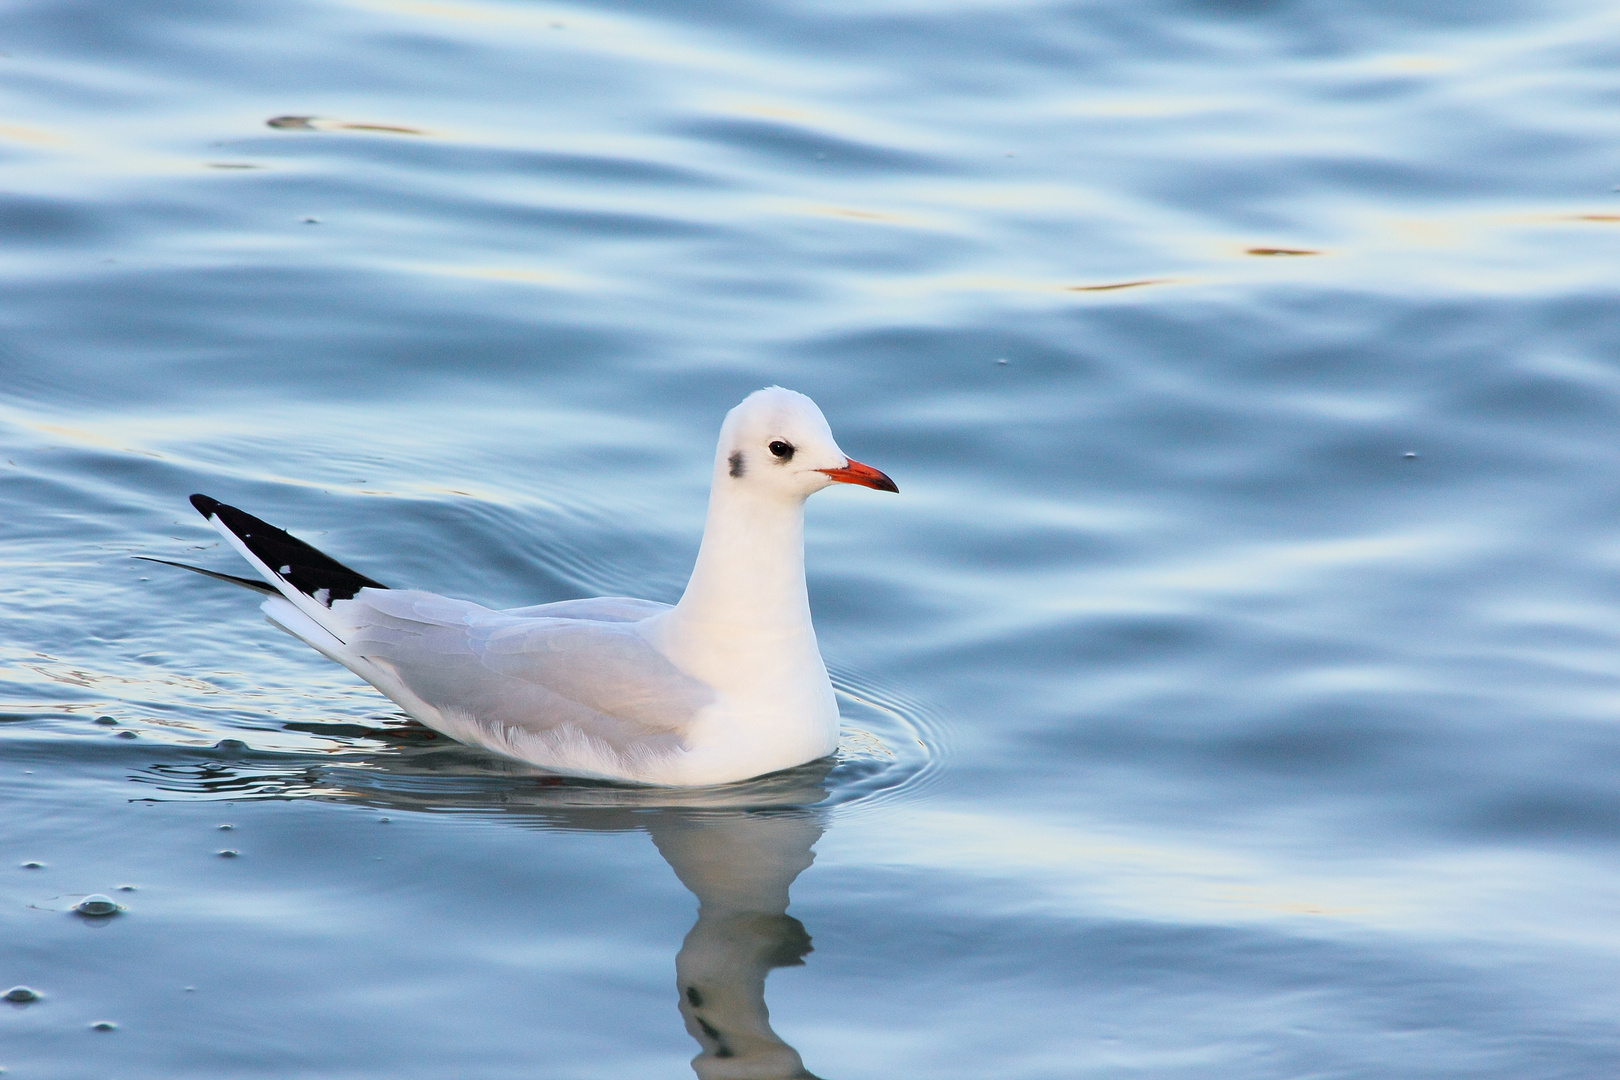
(581, 693)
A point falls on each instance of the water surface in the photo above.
(1230, 691)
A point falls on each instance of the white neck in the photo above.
(749, 578)
(743, 629)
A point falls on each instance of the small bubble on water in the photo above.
(126, 888)
(191, 989)
(312, 221)
(104, 1025)
(384, 821)
(96, 905)
(22, 995)
(231, 745)
(226, 828)
(1001, 361)
(228, 853)
(126, 735)
(33, 866)
(1410, 455)
(106, 721)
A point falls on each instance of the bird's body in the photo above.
(724, 685)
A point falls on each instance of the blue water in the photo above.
(1232, 689)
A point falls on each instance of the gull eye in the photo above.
(782, 450)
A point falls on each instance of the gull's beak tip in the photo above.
(864, 475)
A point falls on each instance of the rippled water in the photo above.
(1230, 691)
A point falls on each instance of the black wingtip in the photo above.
(312, 572)
(246, 583)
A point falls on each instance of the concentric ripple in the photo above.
(888, 750)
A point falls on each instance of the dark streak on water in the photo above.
(1231, 692)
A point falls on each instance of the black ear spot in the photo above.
(783, 450)
(736, 463)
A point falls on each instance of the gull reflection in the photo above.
(740, 868)
(738, 848)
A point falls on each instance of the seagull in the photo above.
(725, 685)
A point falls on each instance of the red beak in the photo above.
(864, 475)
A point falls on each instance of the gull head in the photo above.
(777, 443)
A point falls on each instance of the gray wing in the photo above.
(570, 681)
(597, 608)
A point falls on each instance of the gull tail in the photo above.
(303, 585)
(308, 581)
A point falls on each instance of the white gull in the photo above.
(726, 685)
